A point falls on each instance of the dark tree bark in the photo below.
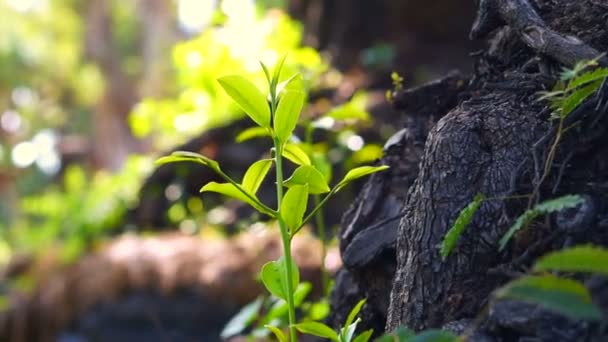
(493, 138)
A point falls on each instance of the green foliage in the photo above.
(248, 97)
(351, 110)
(546, 207)
(588, 259)
(85, 208)
(308, 174)
(255, 175)
(274, 277)
(317, 329)
(293, 206)
(462, 221)
(288, 113)
(280, 277)
(242, 319)
(575, 87)
(564, 296)
(357, 173)
(295, 154)
(234, 46)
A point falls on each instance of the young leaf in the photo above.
(564, 296)
(277, 71)
(293, 206)
(354, 312)
(252, 132)
(242, 319)
(294, 83)
(255, 175)
(317, 329)
(273, 277)
(577, 97)
(588, 259)
(462, 221)
(287, 114)
(231, 190)
(364, 336)
(279, 308)
(307, 174)
(248, 97)
(295, 154)
(277, 332)
(359, 172)
(321, 163)
(557, 204)
(347, 332)
(597, 74)
(266, 73)
(182, 156)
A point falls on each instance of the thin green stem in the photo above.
(286, 237)
(314, 211)
(322, 236)
(268, 211)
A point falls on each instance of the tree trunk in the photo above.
(492, 138)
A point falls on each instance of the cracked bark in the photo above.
(483, 143)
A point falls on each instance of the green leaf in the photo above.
(242, 319)
(346, 333)
(462, 221)
(233, 191)
(364, 336)
(266, 73)
(294, 83)
(277, 332)
(564, 296)
(280, 308)
(591, 76)
(577, 97)
(186, 156)
(354, 312)
(295, 154)
(355, 109)
(253, 132)
(255, 175)
(557, 204)
(321, 163)
(248, 97)
(359, 172)
(288, 113)
(588, 259)
(273, 277)
(277, 70)
(317, 329)
(293, 206)
(307, 174)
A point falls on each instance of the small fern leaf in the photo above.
(591, 76)
(462, 221)
(546, 207)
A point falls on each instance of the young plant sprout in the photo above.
(277, 114)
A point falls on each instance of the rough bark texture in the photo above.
(493, 138)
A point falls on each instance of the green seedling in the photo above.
(277, 114)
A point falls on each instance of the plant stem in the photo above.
(286, 237)
(321, 227)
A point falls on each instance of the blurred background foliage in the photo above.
(92, 91)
